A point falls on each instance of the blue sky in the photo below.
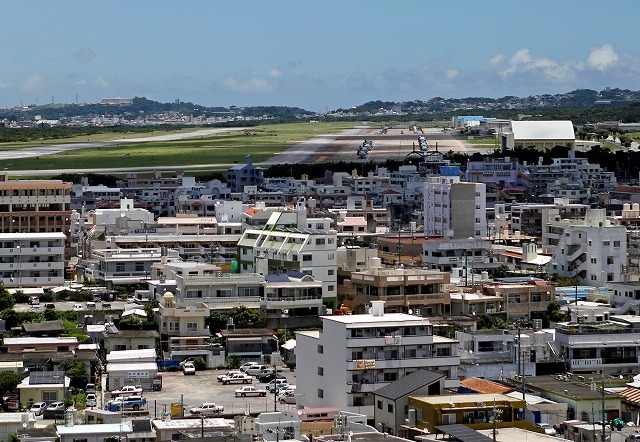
(316, 55)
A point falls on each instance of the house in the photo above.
(93, 432)
(392, 401)
(473, 410)
(251, 344)
(10, 423)
(522, 295)
(43, 329)
(352, 356)
(242, 175)
(115, 339)
(168, 430)
(43, 386)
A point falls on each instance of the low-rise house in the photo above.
(43, 329)
(522, 296)
(168, 430)
(94, 432)
(472, 410)
(115, 339)
(43, 386)
(251, 344)
(392, 401)
(10, 423)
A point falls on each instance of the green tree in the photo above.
(234, 361)
(6, 299)
(244, 317)
(9, 380)
(217, 321)
(76, 370)
(199, 364)
(494, 321)
(502, 271)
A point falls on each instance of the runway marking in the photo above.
(321, 159)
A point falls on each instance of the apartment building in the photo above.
(529, 219)
(342, 364)
(32, 259)
(285, 244)
(522, 296)
(453, 209)
(402, 290)
(594, 250)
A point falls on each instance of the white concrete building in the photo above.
(593, 250)
(453, 209)
(285, 244)
(354, 355)
(32, 259)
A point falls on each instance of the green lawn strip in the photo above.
(212, 149)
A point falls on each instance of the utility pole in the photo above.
(520, 362)
(602, 438)
(495, 420)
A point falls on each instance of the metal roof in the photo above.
(543, 130)
(408, 384)
(463, 433)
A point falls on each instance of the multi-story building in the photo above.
(529, 219)
(244, 175)
(402, 290)
(353, 355)
(575, 170)
(522, 296)
(32, 259)
(609, 345)
(504, 173)
(594, 251)
(286, 244)
(453, 209)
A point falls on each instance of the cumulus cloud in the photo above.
(275, 73)
(84, 55)
(603, 57)
(247, 85)
(32, 83)
(497, 59)
(522, 61)
(452, 73)
(4, 85)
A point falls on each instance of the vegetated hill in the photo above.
(142, 106)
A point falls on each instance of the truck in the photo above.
(127, 390)
(126, 403)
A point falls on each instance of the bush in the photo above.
(234, 361)
(199, 364)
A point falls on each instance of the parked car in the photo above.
(189, 369)
(50, 305)
(92, 401)
(127, 390)
(548, 429)
(229, 373)
(287, 397)
(255, 369)
(268, 376)
(250, 391)
(38, 408)
(77, 308)
(240, 378)
(189, 359)
(36, 308)
(91, 305)
(106, 306)
(207, 409)
(134, 403)
(633, 437)
(54, 410)
(34, 300)
(243, 367)
(90, 388)
(276, 385)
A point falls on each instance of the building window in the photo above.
(379, 405)
(320, 371)
(139, 267)
(331, 256)
(49, 396)
(330, 288)
(174, 326)
(306, 257)
(616, 244)
(320, 393)
(192, 326)
(448, 419)
(390, 408)
(536, 297)
(330, 272)
(320, 349)
(120, 267)
(514, 299)
(320, 241)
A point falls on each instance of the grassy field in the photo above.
(480, 143)
(223, 148)
(94, 137)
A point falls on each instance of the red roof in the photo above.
(631, 394)
(484, 386)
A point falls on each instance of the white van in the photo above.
(91, 305)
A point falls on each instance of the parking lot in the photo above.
(204, 387)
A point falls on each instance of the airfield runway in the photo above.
(396, 144)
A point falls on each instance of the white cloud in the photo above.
(603, 57)
(452, 73)
(32, 83)
(4, 85)
(273, 73)
(522, 56)
(247, 85)
(81, 82)
(84, 55)
(497, 59)
(100, 81)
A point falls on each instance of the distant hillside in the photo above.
(142, 106)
